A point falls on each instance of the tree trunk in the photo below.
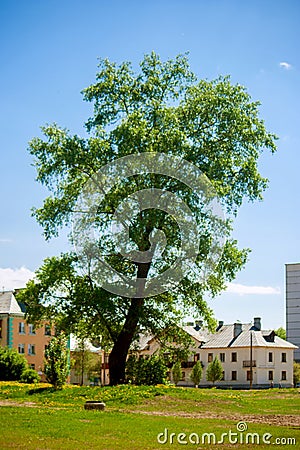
(118, 355)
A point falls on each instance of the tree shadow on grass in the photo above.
(42, 390)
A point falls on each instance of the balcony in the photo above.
(248, 363)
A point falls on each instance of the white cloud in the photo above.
(14, 278)
(4, 240)
(241, 289)
(285, 65)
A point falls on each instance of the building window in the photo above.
(223, 376)
(248, 375)
(196, 357)
(270, 357)
(21, 348)
(31, 329)
(47, 330)
(21, 328)
(183, 376)
(234, 375)
(283, 375)
(270, 375)
(234, 357)
(31, 349)
(32, 366)
(210, 357)
(283, 357)
(222, 357)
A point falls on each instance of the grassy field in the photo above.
(36, 417)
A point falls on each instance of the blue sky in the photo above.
(49, 54)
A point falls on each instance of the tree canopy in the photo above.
(160, 109)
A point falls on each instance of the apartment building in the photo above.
(245, 351)
(16, 333)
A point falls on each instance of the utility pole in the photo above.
(251, 364)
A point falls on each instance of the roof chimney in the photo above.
(237, 329)
(198, 324)
(257, 323)
(221, 323)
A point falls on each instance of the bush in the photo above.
(214, 371)
(196, 373)
(296, 373)
(176, 372)
(56, 366)
(30, 376)
(12, 365)
(143, 371)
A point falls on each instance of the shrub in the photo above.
(176, 372)
(29, 376)
(143, 371)
(214, 371)
(196, 373)
(12, 365)
(56, 366)
(296, 373)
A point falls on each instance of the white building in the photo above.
(292, 278)
(240, 348)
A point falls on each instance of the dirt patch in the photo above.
(13, 403)
(271, 419)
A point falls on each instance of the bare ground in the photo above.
(271, 419)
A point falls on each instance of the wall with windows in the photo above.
(26, 339)
(293, 306)
(270, 366)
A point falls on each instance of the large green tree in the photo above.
(161, 108)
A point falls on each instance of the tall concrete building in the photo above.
(292, 277)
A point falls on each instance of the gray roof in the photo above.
(9, 304)
(201, 335)
(224, 338)
(142, 342)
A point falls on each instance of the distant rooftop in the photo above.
(9, 304)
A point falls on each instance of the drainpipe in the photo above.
(251, 364)
(9, 331)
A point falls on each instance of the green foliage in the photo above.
(176, 372)
(29, 376)
(196, 373)
(214, 371)
(12, 365)
(56, 367)
(142, 371)
(162, 108)
(281, 332)
(296, 377)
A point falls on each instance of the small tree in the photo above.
(281, 332)
(214, 371)
(177, 372)
(12, 365)
(56, 366)
(296, 377)
(196, 373)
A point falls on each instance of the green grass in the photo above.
(36, 417)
